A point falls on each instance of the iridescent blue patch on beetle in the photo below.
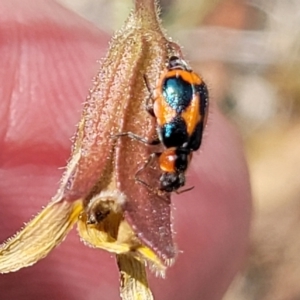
(169, 129)
(178, 93)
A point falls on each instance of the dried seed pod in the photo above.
(116, 104)
(98, 189)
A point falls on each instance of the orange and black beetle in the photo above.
(180, 106)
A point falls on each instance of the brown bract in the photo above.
(100, 161)
(98, 189)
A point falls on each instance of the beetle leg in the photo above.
(149, 107)
(137, 138)
(146, 165)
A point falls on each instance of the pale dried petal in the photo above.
(39, 236)
(113, 233)
(133, 279)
